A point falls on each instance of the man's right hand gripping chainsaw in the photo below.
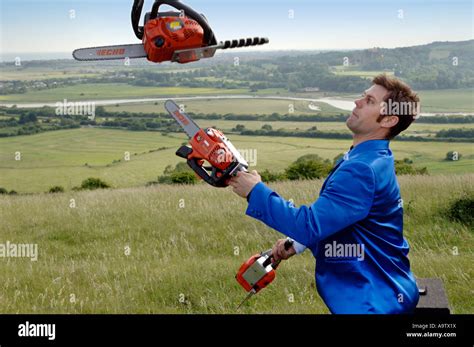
(207, 145)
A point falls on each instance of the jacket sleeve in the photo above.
(346, 199)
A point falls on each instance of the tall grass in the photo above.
(140, 250)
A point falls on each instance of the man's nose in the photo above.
(358, 102)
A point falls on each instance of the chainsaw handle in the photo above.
(136, 14)
(287, 245)
(193, 163)
(212, 179)
(209, 38)
(185, 152)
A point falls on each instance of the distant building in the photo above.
(309, 89)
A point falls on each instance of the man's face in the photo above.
(363, 119)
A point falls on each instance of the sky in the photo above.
(50, 26)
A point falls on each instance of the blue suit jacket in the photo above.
(359, 208)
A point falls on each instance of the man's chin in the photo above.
(350, 123)
(351, 126)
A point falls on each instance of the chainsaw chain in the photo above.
(244, 42)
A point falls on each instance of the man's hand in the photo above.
(244, 182)
(279, 251)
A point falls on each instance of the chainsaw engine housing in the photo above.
(212, 145)
(165, 35)
(256, 273)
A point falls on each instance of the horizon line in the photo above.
(243, 51)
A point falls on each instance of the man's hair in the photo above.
(399, 94)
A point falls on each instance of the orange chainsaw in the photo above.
(207, 145)
(181, 37)
(258, 271)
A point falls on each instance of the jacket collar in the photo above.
(369, 145)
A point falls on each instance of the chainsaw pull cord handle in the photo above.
(209, 38)
(136, 14)
(287, 245)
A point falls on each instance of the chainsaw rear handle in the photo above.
(287, 245)
(185, 152)
(213, 179)
(209, 38)
(194, 164)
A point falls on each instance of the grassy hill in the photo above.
(67, 157)
(100, 91)
(172, 249)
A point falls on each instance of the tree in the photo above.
(239, 127)
(27, 118)
(404, 168)
(268, 176)
(180, 174)
(453, 156)
(267, 127)
(168, 170)
(182, 167)
(92, 183)
(461, 210)
(311, 157)
(183, 178)
(309, 169)
(56, 189)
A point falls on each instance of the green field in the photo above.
(442, 100)
(416, 129)
(23, 73)
(71, 69)
(267, 107)
(141, 250)
(60, 157)
(432, 101)
(353, 71)
(98, 91)
(447, 100)
(235, 106)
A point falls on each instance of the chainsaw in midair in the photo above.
(181, 37)
(207, 145)
(258, 271)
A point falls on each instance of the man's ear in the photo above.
(389, 121)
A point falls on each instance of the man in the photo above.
(355, 228)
